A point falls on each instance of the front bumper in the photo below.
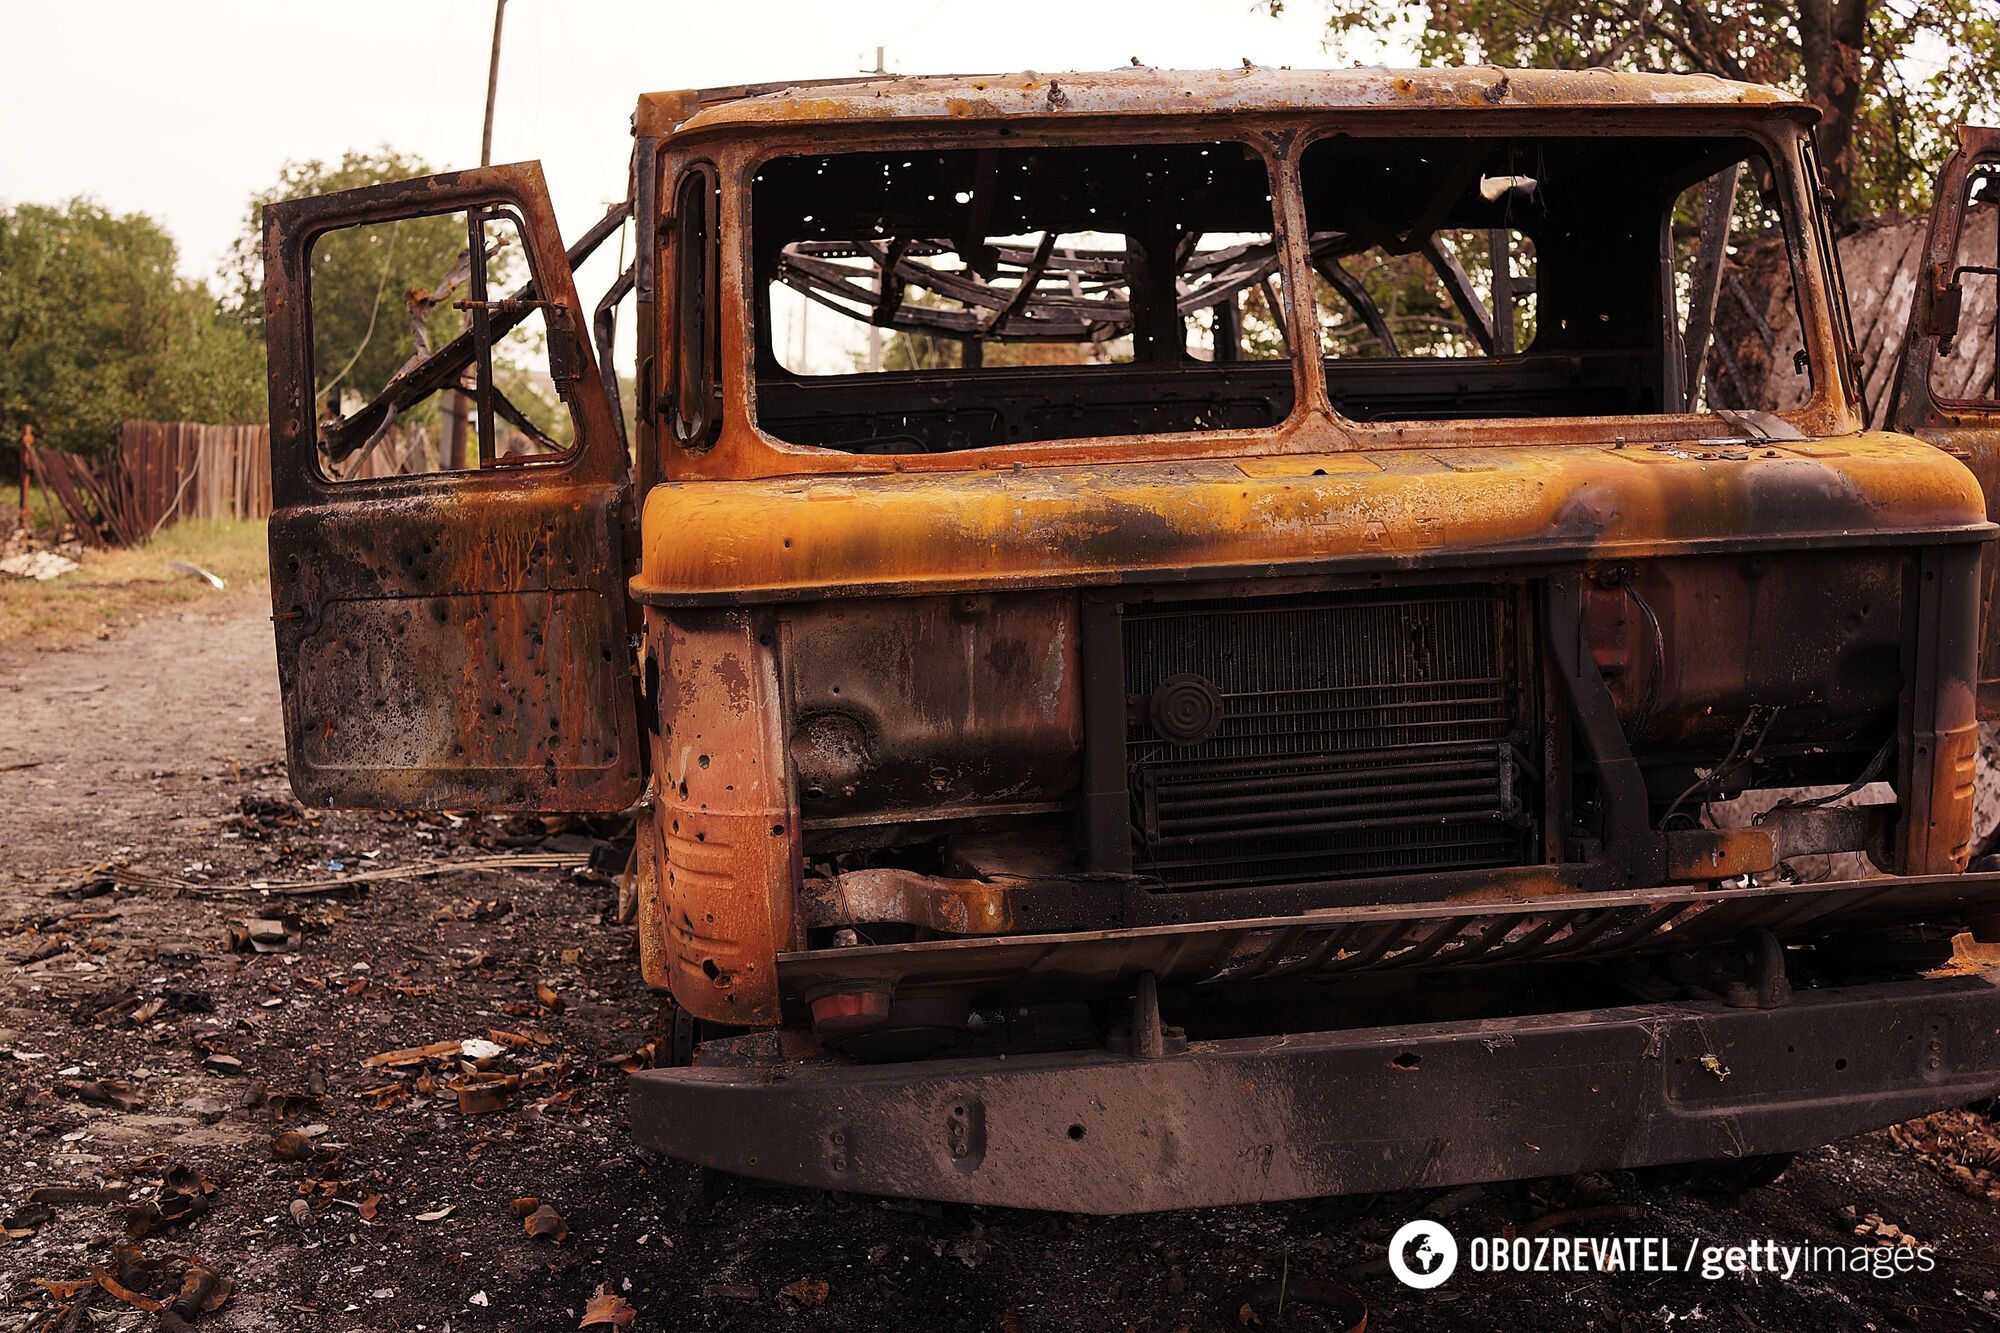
(1361, 1110)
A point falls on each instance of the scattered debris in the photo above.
(26, 1221)
(292, 1146)
(181, 1195)
(194, 571)
(480, 1051)
(475, 910)
(107, 1092)
(203, 1291)
(972, 1248)
(267, 934)
(412, 1055)
(483, 1094)
(138, 877)
(607, 1309)
(62, 1194)
(38, 565)
(1884, 1233)
(807, 1293)
(364, 1209)
(178, 1288)
(545, 1223)
(1960, 1145)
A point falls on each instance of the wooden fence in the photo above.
(163, 471)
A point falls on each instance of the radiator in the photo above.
(1289, 740)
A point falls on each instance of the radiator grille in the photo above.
(1326, 738)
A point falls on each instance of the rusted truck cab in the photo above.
(1183, 638)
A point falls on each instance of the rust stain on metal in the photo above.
(1094, 524)
(728, 822)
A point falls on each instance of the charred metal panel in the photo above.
(1204, 518)
(456, 639)
(1940, 723)
(1363, 1109)
(1517, 921)
(1978, 447)
(1144, 91)
(649, 871)
(728, 822)
(456, 652)
(901, 708)
(360, 709)
(1689, 646)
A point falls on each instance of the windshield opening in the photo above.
(915, 301)
(925, 302)
(1531, 276)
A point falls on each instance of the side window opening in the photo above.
(928, 301)
(1711, 223)
(1516, 276)
(1967, 366)
(697, 391)
(391, 301)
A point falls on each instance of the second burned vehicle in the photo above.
(1230, 694)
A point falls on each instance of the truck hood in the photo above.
(720, 542)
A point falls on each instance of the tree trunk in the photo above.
(1832, 35)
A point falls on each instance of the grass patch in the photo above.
(117, 586)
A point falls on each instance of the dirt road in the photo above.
(231, 1104)
(124, 734)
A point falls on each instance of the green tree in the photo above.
(97, 327)
(361, 277)
(1890, 77)
(382, 292)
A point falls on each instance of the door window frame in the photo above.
(290, 231)
(1914, 405)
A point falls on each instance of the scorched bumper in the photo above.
(1362, 1110)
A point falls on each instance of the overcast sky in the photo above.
(183, 109)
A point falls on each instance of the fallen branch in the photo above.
(138, 877)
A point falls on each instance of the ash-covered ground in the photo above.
(400, 1106)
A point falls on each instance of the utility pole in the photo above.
(27, 469)
(882, 279)
(492, 85)
(461, 405)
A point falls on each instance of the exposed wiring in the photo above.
(1761, 717)
(1624, 581)
(1868, 775)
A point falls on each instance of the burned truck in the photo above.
(1188, 638)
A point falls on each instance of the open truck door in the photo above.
(1947, 386)
(449, 491)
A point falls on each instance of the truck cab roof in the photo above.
(1143, 91)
